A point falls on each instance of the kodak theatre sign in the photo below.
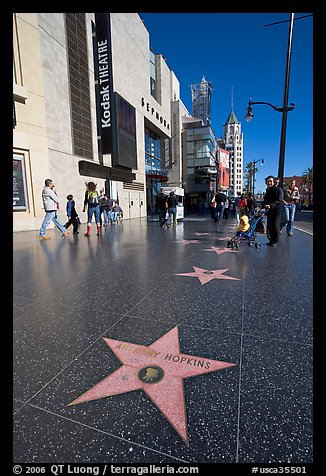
(103, 60)
(104, 92)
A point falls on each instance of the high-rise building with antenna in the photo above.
(201, 101)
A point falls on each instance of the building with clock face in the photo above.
(233, 139)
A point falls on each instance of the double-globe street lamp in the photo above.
(285, 109)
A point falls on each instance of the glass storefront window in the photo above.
(152, 71)
(153, 170)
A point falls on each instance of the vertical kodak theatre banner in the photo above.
(104, 89)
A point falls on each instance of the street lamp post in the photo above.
(285, 102)
(254, 173)
(285, 108)
(250, 115)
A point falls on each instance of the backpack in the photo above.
(92, 198)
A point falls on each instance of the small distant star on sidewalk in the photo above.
(186, 242)
(159, 370)
(206, 275)
(222, 239)
(220, 251)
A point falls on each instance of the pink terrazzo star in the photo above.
(186, 242)
(220, 251)
(222, 239)
(206, 275)
(159, 370)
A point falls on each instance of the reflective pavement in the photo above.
(150, 345)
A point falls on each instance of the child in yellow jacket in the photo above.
(244, 224)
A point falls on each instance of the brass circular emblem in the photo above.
(150, 374)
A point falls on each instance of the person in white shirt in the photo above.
(51, 203)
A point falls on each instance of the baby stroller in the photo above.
(256, 225)
(120, 219)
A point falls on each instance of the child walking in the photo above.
(72, 214)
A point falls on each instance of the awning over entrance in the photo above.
(93, 169)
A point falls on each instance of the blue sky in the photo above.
(234, 52)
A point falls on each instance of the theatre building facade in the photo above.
(92, 102)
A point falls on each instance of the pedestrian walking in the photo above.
(291, 199)
(50, 203)
(72, 214)
(273, 203)
(226, 209)
(212, 207)
(172, 209)
(105, 204)
(115, 211)
(91, 201)
(236, 207)
(220, 199)
(242, 205)
(251, 205)
(163, 208)
(101, 199)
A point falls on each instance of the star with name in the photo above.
(220, 251)
(206, 275)
(158, 370)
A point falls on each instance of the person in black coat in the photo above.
(172, 208)
(251, 204)
(273, 203)
(162, 200)
(220, 200)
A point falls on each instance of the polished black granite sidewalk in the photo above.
(129, 285)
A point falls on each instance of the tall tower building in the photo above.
(201, 101)
(233, 138)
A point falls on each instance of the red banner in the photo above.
(224, 168)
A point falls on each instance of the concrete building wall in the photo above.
(63, 163)
(130, 51)
(30, 136)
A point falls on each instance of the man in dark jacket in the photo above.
(273, 203)
(162, 207)
(220, 199)
(172, 208)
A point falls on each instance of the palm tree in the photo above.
(308, 180)
(249, 176)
